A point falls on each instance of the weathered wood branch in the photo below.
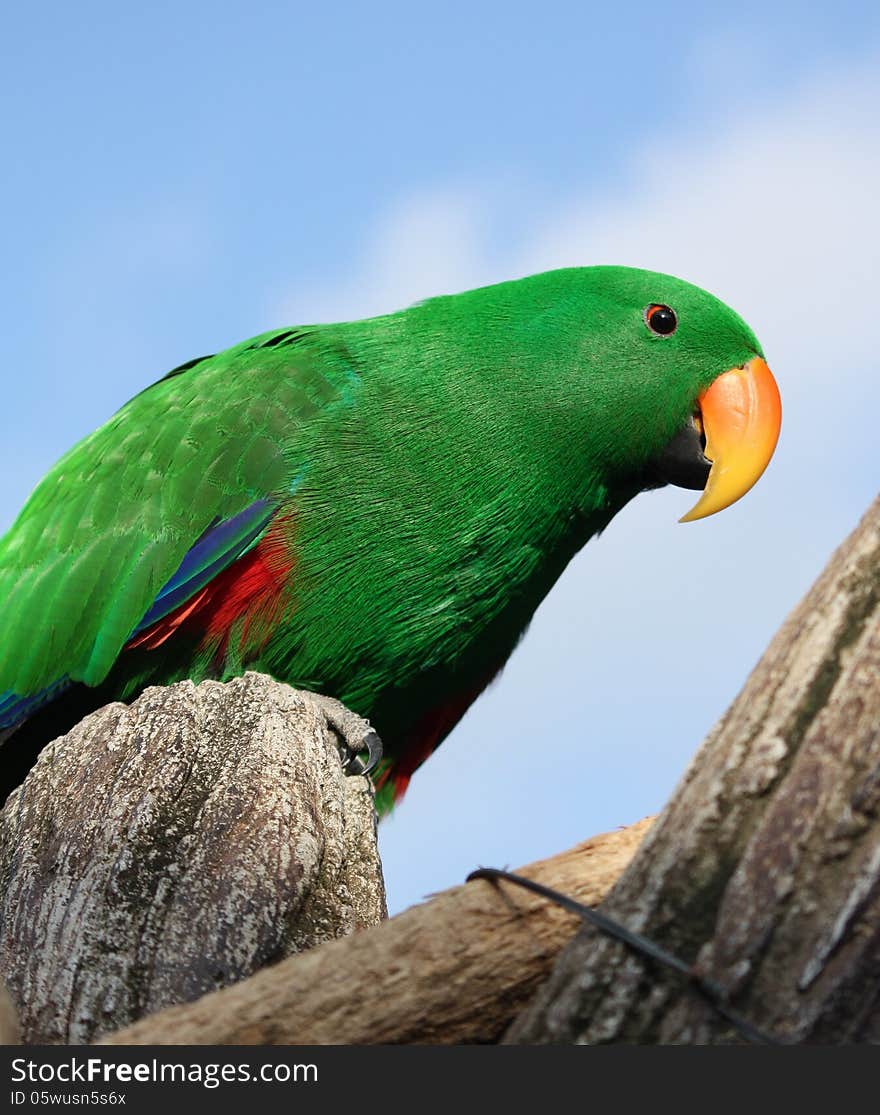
(454, 969)
(765, 867)
(167, 848)
(9, 1029)
(764, 870)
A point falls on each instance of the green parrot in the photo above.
(371, 510)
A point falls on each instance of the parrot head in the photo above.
(706, 373)
(635, 374)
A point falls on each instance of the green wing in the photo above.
(113, 520)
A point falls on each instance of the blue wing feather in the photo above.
(15, 709)
(219, 546)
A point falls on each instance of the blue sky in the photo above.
(180, 176)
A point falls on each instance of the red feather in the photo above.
(249, 595)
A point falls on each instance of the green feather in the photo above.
(111, 522)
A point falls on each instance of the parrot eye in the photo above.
(660, 319)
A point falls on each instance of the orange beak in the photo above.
(741, 415)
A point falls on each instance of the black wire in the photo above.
(713, 992)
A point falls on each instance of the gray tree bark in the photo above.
(458, 968)
(138, 875)
(9, 1031)
(764, 869)
(167, 848)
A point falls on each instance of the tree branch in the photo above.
(764, 869)
(165, 849)
(455, 969)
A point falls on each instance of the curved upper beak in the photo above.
(741, 414)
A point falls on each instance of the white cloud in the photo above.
(429, 244)
(777, 216)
